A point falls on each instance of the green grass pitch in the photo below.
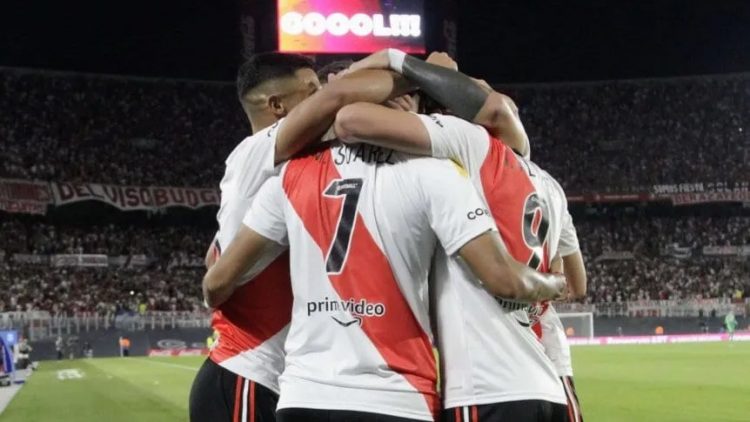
(686, 382)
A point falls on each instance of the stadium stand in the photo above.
(171, 280)
(116, 130)
(676, 136)
(167, 280)
(615, 136)
(631, 135)
(659, 258)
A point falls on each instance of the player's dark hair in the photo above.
(264, 67)
(333, 67)
(428, 105)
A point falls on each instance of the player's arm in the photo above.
(575, 272)
(384, 127)
(569, 249)
(211, 255)
(467, 98)
(436, 135)
(263, 225)
(505, 277)
(307, 122)
(223, 277)
(464, 227)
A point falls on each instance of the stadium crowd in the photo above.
(631, 135)
(614, 136)
(115, 130)
(652, 236)
(656, 278)
(663, 258)
(171, 279)
(73, 290)
(159, 241)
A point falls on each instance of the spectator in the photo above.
(23, 360)
(694, 130)
(59, 347)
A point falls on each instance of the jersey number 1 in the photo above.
(349, 189)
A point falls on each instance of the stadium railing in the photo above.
(41, 325)
(660, 308)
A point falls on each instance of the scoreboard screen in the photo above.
(351, 26)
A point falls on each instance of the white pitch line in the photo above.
(174, 365)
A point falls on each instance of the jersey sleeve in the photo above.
(253, 161)
(455, 212)
(457, 139)
(266, 215)
(568, 237)
(568, 244)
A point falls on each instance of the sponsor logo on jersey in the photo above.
(437, 121)
(525, 314)
(522, 318)
(473, 215)
(347, 312)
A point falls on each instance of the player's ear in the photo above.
(276, 105)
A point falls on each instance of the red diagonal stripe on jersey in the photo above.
(506, 187)
(397, 335)
(255, 312)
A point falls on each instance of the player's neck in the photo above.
(262, 121)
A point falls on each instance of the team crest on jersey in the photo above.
(461, 170)
(535, 312)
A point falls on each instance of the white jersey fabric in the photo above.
(489, 352)
(248, 166)
(362, 224)
(555, 342)
(252, 324)
(551, 331)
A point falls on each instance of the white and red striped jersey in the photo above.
(362, 224)
(252, 324)
(545, 322)
(489, 352)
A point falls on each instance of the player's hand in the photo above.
(403, 103)
(558, 287)
(379, 60)
(442, 59)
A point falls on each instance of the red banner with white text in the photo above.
(23, 196)
(132, 198)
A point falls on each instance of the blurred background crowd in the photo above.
(622, 136)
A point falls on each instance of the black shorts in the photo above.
(219, 395)
(315, 415)
(512, 411)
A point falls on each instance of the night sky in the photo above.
(505, 41)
